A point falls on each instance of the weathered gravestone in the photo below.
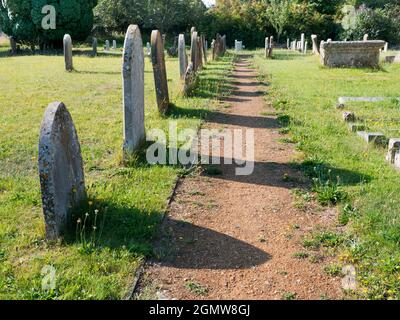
(107, 47)
(160, 73)
(271, 46)
(194, 51)
(351, 53)
(288, 43)
(302, 39)
(223, 39)
(182, 55)
(173, 51)
(61, 174)
(94, 46)
(68, 52)
(199, 53)
(133, 90)
(189, 80)
(13, 45)
(266, 46)
(315, 49)
(204, 48)
(148, 47)
(365, 38)
(193, 29)
(114, 45)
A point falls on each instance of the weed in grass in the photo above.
(327, 189)
(333, 270)
(285, 130)
(347, 212)
(196, 193)
(300, 255)
(196, 288)
(283, 119)
(316, 258)
(289, 296)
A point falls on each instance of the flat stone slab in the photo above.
(354, 127)
(394, 151)
(343, 100)
(377, 138)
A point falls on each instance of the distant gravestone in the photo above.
(386, 47)
(194, 51)
(193, 29)
(266, 46)
(133, 90)
(199, 53)
(315, 49)
(13, 45)
(68, 52)
(182, 55)
(305, 47)
(204, 48)
(148, 47)
(271, 46)
(189, 80)
(365, 37)
(60, 169)
(160, 73)
(107, 48)
(302, 44)
(114, 45)
(94, 46)
(223, 39)
(288, 43)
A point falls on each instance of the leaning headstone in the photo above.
(182, 55)
(133, 90)
(61, 174)
(204, 47)
(68, 52)
(199, 53)
(94, 46)
(107, 48)
(114, 45)
(159, 71)
(194, 51)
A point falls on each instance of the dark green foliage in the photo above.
(23, 20)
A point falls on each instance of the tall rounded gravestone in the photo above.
(182, 55)
(160, 73)
(194, 51)
(68, 52)
(60, 169)
(133, 90)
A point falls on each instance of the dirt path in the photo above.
(239, 237)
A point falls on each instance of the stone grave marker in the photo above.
(94, 46)
(68, 52)
(182, 55)
(266, 46)
(114, 45)
(61, 173)
(148, 48)
(107, 47)
(315, 49)
(133, 90)
(160, 72)
(194, 51)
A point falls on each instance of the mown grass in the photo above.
(306, 92)
(128, 201)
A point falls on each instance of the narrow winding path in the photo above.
(239, 237)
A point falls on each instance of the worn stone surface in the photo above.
(349, 116)
(189, 80)
(133, 90)
(94, 46)
(266, 46)
(204, 49)
(13, 45)
(199, 53)
(302, 42)
(173, 51)
(148, 49)
(159, 71)
(377, 138)
(107, 48)
(354, 127)
(60, 169)
(271, 47)
(365, 38)
(182, 55)
(114, 45)
(68, 52)
(351, 53)
(394, 151)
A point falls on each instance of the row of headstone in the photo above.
(60, 161)
(300, 46)
(219, 46)
(269, 46)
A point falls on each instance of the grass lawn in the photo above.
(128, 202)
(369, 187)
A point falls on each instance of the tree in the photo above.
(22, 19)
(278, 13)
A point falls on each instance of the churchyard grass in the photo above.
(127, 201)
(308, 93)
